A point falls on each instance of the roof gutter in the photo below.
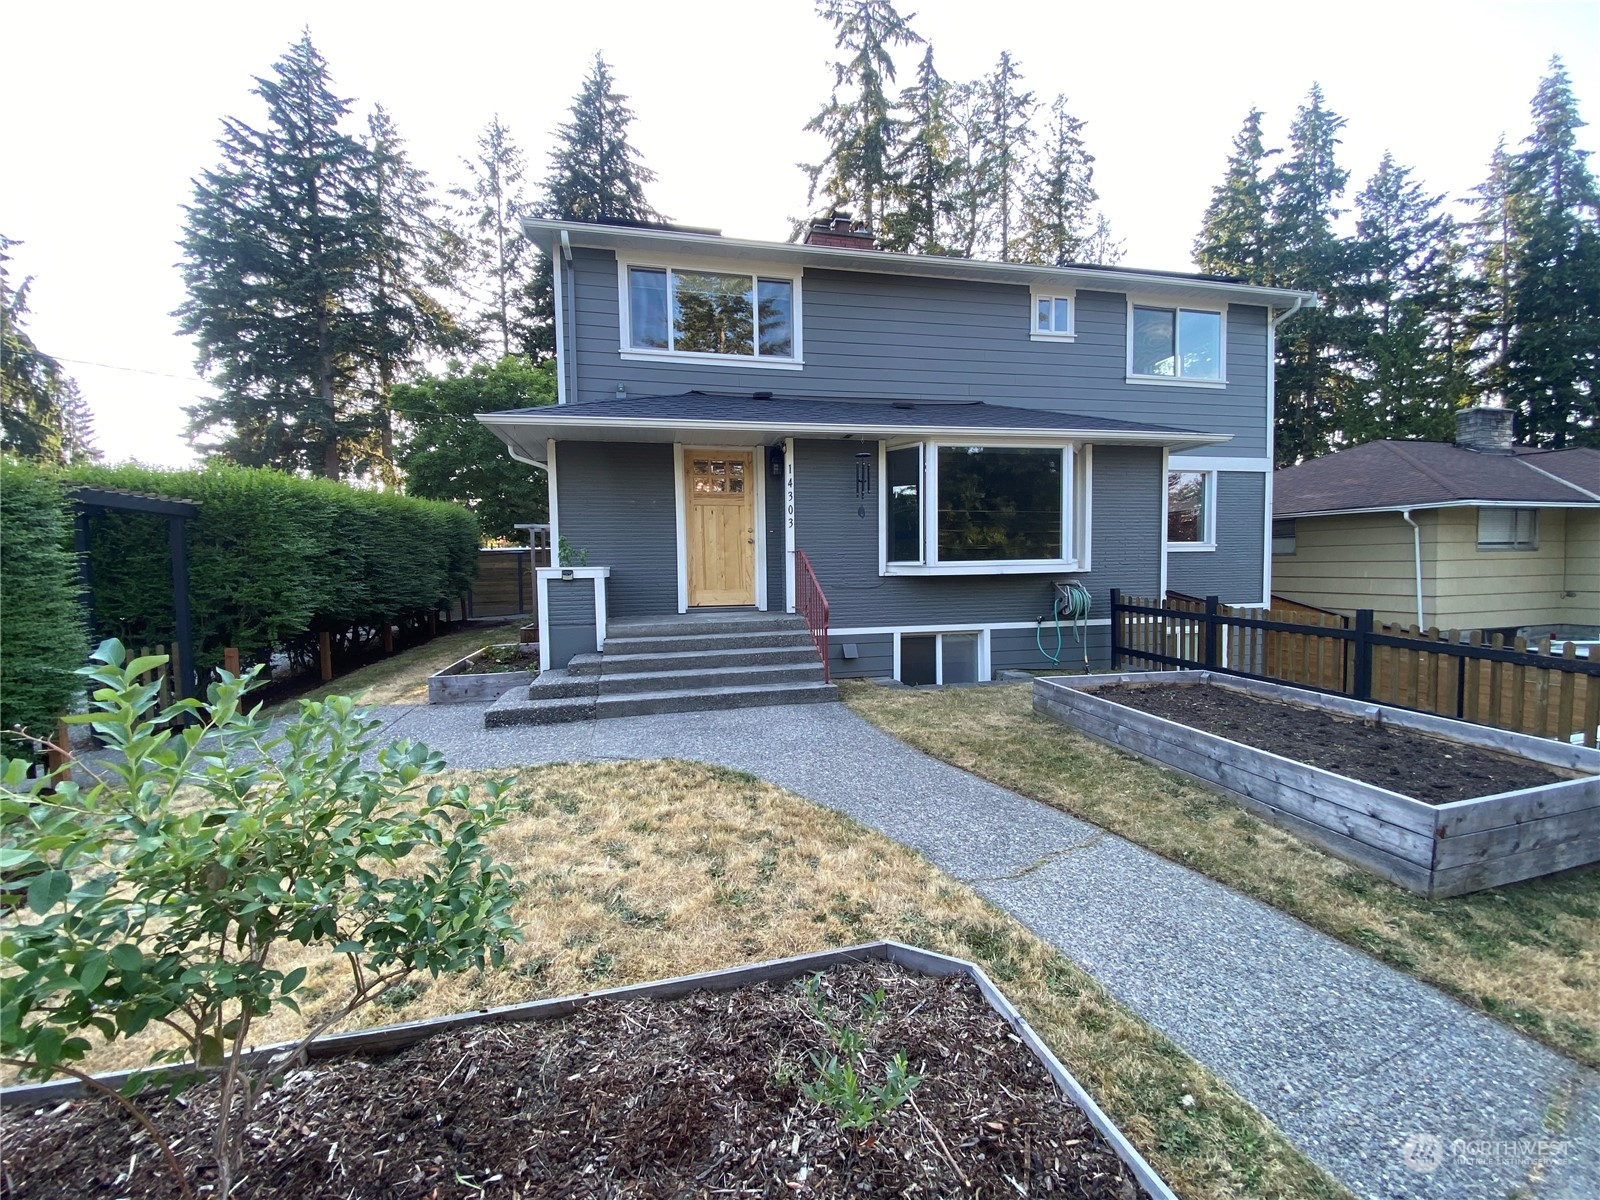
(1416, 553)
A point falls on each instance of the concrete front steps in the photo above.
(682, 664)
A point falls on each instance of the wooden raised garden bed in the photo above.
(485, 674)
(1441, 807)
(661, 1089)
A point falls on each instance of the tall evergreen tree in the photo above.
(276, 248)
(1314, 386)
(922, 167)
(972, 184)
(409, 263)
(43, 416)
(1493, 239)
(1058, 204)
(1009, 111)
(1553, 357)
(857, 122)
(595, 174)
(1404, 355)
(498, 259)
(1236, 233)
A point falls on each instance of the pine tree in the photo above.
(1058, 203)
(410, 253)
(1235, 235)
(1493, 239)
(857, 122)
(43, 416)
(1314, 387)
(498, 259)
(1008, 113)
(922, 168)
(1404, 354)
(276, 247)
(1553, 355)
(972, 184)
(595, 174)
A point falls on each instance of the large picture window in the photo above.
(973, 509)
(708, 312)
(1175, 344)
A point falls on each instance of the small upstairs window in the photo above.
(1053, 317)
(1508, 529)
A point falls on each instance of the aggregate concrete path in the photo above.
(1374, 1075)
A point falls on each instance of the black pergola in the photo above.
(88, 500)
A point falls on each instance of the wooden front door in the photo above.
(720, 526)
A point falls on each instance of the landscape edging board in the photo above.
(779, 970)
(465, 688)
(1504, 838)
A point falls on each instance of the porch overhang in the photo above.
(709, 420)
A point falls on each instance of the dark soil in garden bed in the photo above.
(1414, 764)
(493, 659)
(693, 1097)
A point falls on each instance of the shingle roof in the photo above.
(806, 411)
(1398, 474)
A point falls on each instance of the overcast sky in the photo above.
(114, 108)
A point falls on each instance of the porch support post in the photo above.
(788, 525)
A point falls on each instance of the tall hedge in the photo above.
(42, 639)
(273, 558)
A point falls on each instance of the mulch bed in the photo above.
(693, 1097)
(1430, 769)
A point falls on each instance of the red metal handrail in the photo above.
(811, 604)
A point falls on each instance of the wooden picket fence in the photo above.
(1507, 685)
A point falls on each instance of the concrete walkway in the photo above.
(1348, 1057)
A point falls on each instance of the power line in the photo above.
(82, 362)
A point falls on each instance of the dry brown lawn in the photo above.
(403, 678)
(635, 871)
(1528, 954)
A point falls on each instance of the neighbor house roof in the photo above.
(729, 419)
(1388, 476)
(707, 245)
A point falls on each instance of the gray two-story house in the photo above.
(960, 457)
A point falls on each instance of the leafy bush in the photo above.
(272, 558)
(163, 893)
(42, 638)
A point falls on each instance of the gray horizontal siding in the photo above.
(1231, 572)
(1018, 649)
(774, 534)
(571, 603)
(883, 336)
(840, 536)
(874, 656)
(616, 502)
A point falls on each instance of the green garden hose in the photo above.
(1072, 601)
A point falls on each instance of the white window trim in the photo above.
(1209, 542)
(985, 672)
(1074, 529)
(1175, 306)
(1070, 295)
(756, 271)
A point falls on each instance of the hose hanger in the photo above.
(1072, 602)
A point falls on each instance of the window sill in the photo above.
(1189, 547)
(1163, 381)
(1034, 567)
(1052, 337)
(1482, 549)
(714, 360)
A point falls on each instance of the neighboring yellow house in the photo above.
(1471, 534)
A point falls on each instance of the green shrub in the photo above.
(273, 559)
(42, 639)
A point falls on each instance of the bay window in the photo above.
(710, 314)
(979, 509)
(1174, 344)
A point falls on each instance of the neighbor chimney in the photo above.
(1484, 429)
(838, 229)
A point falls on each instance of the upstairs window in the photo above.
(710, 313)
(1053, 317)
(1175, 344)
(1508, 529)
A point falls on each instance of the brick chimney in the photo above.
(841, 230)
(1484, 429)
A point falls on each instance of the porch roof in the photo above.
(706, 418)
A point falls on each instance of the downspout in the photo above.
(1416, 553)
(564, 361)
(1272, 444)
